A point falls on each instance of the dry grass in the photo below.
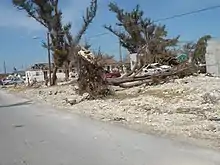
(167, 94)
(16, 89)
(121, 96)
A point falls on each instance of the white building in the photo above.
(40, 75)
(213, 57)
(37, 75)
(133, 60)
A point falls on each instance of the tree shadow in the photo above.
(16, 104)
(215, 119)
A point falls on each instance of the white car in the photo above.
(13, 81)
(155, 68)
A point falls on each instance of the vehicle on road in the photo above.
(12, 81)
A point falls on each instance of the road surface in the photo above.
(34, 134)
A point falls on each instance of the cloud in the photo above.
(12, 18)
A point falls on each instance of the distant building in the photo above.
(109, 63)
(37, 75)
(40, 72)
(212, 57)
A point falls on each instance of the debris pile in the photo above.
(93, 80)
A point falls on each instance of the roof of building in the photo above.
(107, 60)
(110, 61)
(40, 66)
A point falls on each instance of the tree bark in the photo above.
(67, 71)
(91, 79)
(179, 71)
(54, 76)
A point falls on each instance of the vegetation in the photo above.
(63, 44)
(197, 51)
(200, 50)
(141, 35)
(138, 34)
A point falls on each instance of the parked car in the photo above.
(155, 68)
(12, 81)
(114, 74)
(6, 81)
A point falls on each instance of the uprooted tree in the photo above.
(63, 44)
(142, 36)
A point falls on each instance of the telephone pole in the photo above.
(49, 60)
(4, 65)
(120, 53)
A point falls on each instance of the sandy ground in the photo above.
(187, 108)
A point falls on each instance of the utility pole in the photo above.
(49, 60)
(4, 65)
(120, 53)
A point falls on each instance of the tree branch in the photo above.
(87, 19)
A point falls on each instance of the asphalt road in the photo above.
(34, 134)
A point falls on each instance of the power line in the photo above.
(188, 13)
(171, 17)
(97, 35)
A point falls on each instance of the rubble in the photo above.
(71, 101)
(187, 107)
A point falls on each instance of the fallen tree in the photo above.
(140, 36)
(145, 38)
(179, 71)
(92, 76)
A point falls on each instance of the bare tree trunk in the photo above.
(66, 66)
(128, 82)
(190, 60)
(54, 76)
(66, 74)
